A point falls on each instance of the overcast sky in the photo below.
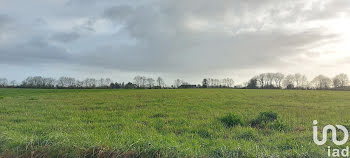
(173, 38)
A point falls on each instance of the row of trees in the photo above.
(144, 82)
(64, 82)
(217, 83)
(296, 81)
(263, 81)
(141, 82)
(4, 82)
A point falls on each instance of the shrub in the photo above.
(231, 120)
(264, 118)
(268, 116)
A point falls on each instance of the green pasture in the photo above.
(166, 123)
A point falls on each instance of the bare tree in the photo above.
(150, 82)
(178, 83)
(66, 82)
(49, 82)
(138, 81)
(269, 79)
(340, 81)
(27, 82)
(297, 79)
(211, 82)
(33, 82)
(262, 79)
(322, 82)
(160, 82)
(101, 82)
(104, 83)
(79, 84)
(216, 82)
(13, 83)
(228, 82)
(300, 81)
(288, 82)
(38, 82)
(304, 83)
(3, 82)
(108, 82)
(90, 83)
(278, 78)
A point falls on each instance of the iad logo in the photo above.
(334, 134)
(332, 152)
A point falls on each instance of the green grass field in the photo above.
(165, 123)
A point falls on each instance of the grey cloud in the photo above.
(6, 23)
(119, 13)
(4, 20)
(65, 37)
(86, 26)
(165, 42)
(162, 18)
(40, 22)
(179, 35)
(80, 2)
(214, 52)
(33, 52)
(328, 9)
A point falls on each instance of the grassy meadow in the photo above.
(166, 123)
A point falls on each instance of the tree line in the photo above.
(261, 81)
(296, 81)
